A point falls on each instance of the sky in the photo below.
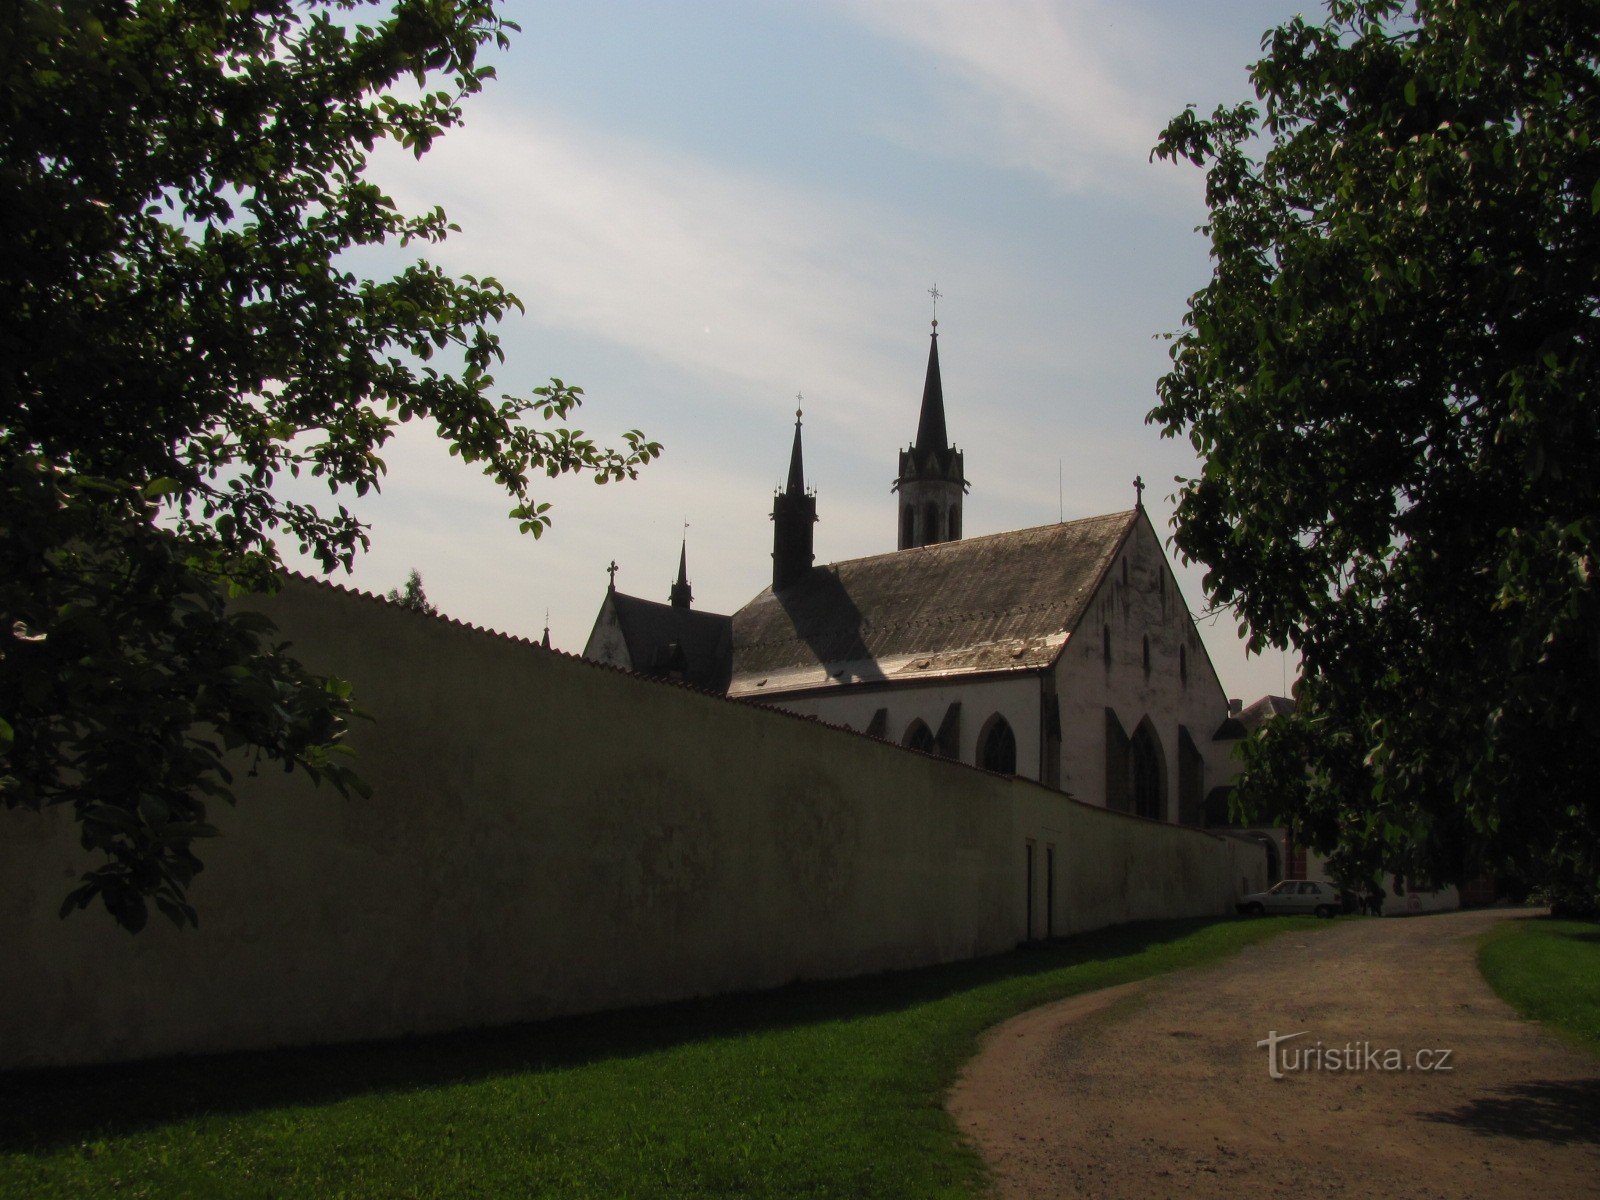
(708, 208)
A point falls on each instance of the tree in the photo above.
(413, 597)
(182, 326)
(1391, 379)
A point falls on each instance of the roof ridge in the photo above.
(1128, 513)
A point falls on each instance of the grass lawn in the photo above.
(813, 1090)
(1548, 970)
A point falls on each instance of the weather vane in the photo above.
(937, 296)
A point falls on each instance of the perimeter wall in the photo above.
(548, 836)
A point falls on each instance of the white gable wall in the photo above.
(1138, 599)
(606, 643)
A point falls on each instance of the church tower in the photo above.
(931, 483)
(794, 511)
(680, 595)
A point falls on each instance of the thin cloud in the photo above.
(734, 279)
(1066, 91)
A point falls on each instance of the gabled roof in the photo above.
(1005, 602)
(674, 642)
(1245, 722)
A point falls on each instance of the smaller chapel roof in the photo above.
(1003, 602)
(672, 641)
(1245, 722)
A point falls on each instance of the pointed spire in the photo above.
(797, 474)
(794, 512)
(681, 596)
(930, 426)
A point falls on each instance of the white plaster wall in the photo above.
(548, 836)
(1143, 602)
(1412, 903)
(1016, 698)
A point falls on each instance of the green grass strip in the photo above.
(814, 1090)
(1548, 970)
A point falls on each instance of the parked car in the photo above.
(1293, 896)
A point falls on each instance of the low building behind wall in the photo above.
(546, 836)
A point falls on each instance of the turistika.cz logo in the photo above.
(1283, 1060)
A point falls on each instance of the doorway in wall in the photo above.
(1049, 891)
(1030, 889)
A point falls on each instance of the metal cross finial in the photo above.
(937, 296)
(1138, 489)
(612, 571)
(799, 398)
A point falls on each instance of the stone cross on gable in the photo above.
(1138, 491)
(612, 572)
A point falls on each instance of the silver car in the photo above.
(1293, 896)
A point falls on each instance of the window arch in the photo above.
(930, 519)
(919, 737)
(1147, 768)
(997, 746)
(908, 527)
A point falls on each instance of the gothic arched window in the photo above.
(997, 747)
(930, 518)
(919, 737)
(954, 526)
(908, 532)
(1149, 773)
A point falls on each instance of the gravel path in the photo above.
(1159, 1089)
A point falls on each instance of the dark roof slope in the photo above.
(1004, 602)
(1239, 725)
(675, 642)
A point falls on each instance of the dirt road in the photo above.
(1161, 1090)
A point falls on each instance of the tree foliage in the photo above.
(413, 597)
(182, 329)
(1391, 378)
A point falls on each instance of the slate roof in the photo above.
(672, 642)
(1254, 714)
(1004, 602)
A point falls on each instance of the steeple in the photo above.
(680, 595)
(931, 482)
(931, 435)
(794, 511)
(797, 470)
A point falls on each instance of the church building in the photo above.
(1063, 653)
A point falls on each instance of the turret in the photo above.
(794, 512)
(931, 482)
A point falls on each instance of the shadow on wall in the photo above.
(44, 1109)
